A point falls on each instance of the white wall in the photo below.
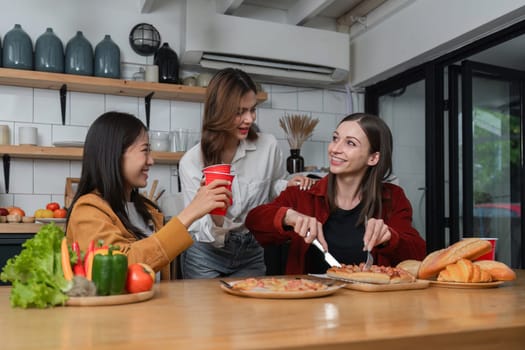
(404, 33)
(35, 182)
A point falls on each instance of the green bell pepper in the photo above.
(110, 272)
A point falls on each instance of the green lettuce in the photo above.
(36, 273)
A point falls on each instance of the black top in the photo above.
(345, 241)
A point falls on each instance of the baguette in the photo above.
(468, 248)
(498, 270)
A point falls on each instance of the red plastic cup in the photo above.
(219, 168)
(210, 176)
(492, 254)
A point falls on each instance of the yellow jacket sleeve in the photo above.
(93, 219)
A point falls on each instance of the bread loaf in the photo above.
(411, 266)
(464, 271)
(498, 270)
(468, 248)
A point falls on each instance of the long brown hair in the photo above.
(223, 98)
(380, 139)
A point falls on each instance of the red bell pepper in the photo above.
(78, 269)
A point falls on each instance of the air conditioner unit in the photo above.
(269, 52)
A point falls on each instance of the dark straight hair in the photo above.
(380, 139)
(107, 140)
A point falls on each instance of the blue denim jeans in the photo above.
(241, 256)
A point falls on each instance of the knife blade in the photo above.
(329, 258)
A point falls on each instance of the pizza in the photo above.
(376, 275)
(274, 284)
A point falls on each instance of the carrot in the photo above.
(88, 265)
(66, 263)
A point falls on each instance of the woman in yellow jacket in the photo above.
(108, 206)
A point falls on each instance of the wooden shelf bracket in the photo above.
(7, 164)
(63, 97)
(147, 106)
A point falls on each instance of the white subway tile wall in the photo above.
(33, 183)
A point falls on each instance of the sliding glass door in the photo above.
(489, 162)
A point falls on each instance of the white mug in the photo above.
(152, 73)
(27, 135)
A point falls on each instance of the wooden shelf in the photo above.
(98, 85)
(23, 227)
(73, 153)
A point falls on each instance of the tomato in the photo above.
(16, 210)
(52, 206)
(60, 213)
(4, 212)
(141, 278)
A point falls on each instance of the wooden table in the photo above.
(197, 314)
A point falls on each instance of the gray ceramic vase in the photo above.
(18, 49)
(107, 59)
(49, 53)
(79, 56)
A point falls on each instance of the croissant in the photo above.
(464, 271)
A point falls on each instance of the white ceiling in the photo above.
(301, 12)
(295, 12)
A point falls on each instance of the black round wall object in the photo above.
(144, 39)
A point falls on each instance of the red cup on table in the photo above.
(210, 176)
(492, 254)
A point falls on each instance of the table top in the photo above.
(198, 314)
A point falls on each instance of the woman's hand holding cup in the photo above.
(209, 197)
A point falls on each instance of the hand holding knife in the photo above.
(329, 258)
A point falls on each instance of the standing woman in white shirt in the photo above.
(223, 246)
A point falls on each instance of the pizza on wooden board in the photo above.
(274, 284)
(376, 275)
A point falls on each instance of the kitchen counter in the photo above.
(197, 314)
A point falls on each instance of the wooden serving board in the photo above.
(111, 299)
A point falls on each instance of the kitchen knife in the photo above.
(327, 256)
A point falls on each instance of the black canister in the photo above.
(107, 59)
(168, 63)
(49, 53)
(79, 55)
(18, 49)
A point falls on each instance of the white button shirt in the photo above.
(259, 176)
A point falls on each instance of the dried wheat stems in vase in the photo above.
(297, 128)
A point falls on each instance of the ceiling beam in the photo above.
(359, 12)
(304, 10)
(227, 7)
(145, 6)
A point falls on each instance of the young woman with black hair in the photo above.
(108, 206)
